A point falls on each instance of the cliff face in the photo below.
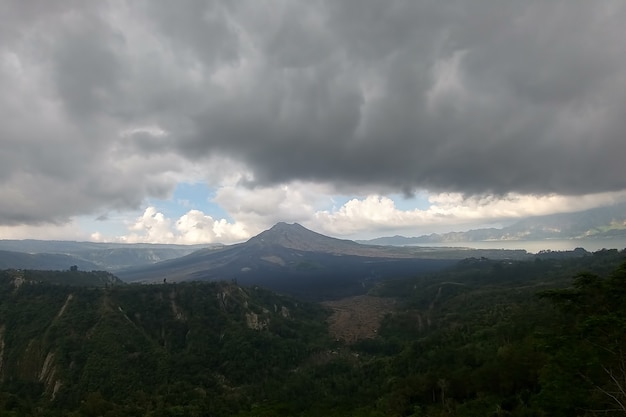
(65, 342)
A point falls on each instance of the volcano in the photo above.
(292, 259)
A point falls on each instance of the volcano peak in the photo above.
(296, 236)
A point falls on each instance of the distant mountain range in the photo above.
(599, 223)
(292, 259)
(59, 255)
(288, 258)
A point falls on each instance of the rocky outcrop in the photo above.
(254, 322)
(176, 310)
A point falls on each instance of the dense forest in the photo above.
(543, 337)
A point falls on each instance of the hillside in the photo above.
(159, 347)
(68, 277)
(55, 254)
(44, 261)
(484, 338)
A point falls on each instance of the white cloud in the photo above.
(515, 205)
(262, 207)
(191, 228)
(376, 215)
(254, 210)
(151, 227)
(197, 227)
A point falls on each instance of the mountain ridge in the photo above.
(60, 254)
(599, 223)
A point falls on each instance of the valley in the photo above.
(295, 323)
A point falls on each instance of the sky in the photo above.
(209, 121)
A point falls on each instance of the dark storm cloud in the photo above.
(104, 101)
(470, 96)
(66, 77)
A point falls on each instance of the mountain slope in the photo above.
(48, 261)
(55, 254)
(296, 236)
(293, 259)
(186, 344)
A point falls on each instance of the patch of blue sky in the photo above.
(418, 201)
(337, 201)
(191, 196)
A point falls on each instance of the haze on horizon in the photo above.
(210, 121)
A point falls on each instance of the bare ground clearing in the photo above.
(357, 317)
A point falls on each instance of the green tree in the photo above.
(590, 348)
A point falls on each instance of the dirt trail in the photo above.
(357, 317)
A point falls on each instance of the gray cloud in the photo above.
(528, 105)
(469, 96)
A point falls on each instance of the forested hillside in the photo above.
(484, 338)
(173, 349)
